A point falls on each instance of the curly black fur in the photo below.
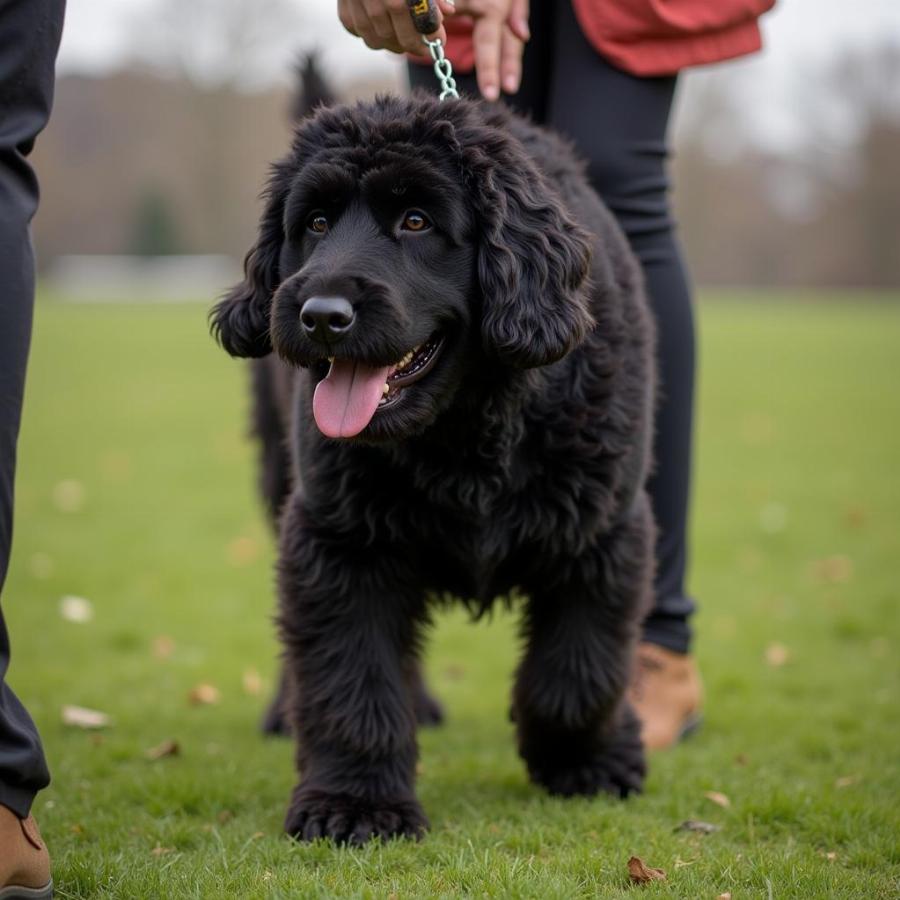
(519, 461)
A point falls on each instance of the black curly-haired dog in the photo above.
(467, 402)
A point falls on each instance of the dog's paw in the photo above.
(429, 710)
(619, 774)
(274, 721)
(617, 766)
(352, 820)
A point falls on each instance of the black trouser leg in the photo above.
(621, 131)
(618, 123)
(29, 37)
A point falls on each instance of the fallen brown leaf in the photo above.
(777, 655)
(252, 682)
(115, 465)
(224, 816)
(243, 550)
(204, 695)
(163, 646)
(718, 798)
(81, 717)
(847, 780)
(697, 825)
(166, 748)
(855, 517)
(640, 873)
(162, 851)
(833, 569)
(725, 896)
(741, 759)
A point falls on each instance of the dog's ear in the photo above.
(533, 262)
(240, 320)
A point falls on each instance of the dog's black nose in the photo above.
(326, 319)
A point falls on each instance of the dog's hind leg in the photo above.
(576, 732)
(350, 620)
(275, 719)
(274, 481)
(428, 709)
(267, 426)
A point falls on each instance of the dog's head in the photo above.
(404, 243)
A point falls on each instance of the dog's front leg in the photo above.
(576, 732)
(349, 617)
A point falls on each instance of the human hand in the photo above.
(501, 32)
(388, 25)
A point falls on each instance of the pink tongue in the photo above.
(346, 399)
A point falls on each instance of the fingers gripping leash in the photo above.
(425, 18)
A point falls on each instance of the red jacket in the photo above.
(649, 37)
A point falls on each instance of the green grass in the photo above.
(799, 446)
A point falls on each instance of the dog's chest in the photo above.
(469, 557)
(482, 550)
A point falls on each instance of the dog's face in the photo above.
(377, 270)
(405, 243)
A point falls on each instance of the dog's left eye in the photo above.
(415, 221)
(317, 223)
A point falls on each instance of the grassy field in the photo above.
(136, 493)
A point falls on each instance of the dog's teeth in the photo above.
(385, 388)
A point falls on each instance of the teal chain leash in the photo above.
(425, 19)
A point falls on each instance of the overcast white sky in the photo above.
(102, 34)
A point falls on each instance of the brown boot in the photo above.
(24, 860)
(666, 693)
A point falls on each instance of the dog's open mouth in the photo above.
(352, 392)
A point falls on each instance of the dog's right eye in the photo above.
(317, 223)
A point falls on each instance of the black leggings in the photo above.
(29, 37)
(618, 123)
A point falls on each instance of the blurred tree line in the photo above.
(140, 163)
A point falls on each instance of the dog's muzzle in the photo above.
(327, 319)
